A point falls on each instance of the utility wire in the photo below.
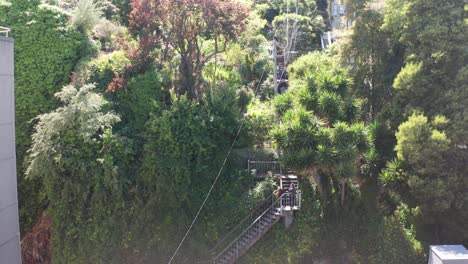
(217, 176)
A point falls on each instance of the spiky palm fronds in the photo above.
(352, 109)
(329, 104)
(283, 103)
(308, 99)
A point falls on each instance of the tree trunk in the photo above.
(318, 181)
(343, 188)
(314, 173)
(186, 83)
(216, 61)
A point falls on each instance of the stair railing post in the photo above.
(300, 199)
(283, 200)
(281, 204)
(295, 199)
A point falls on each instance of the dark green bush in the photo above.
(46, 51)
(184, 148)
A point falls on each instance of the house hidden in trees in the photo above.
(448, 254)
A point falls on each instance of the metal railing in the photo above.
(290, 201)
(273, 209)
(5, 30)
(264, 168)
(255, 213)
(251, 234)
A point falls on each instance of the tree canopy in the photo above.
(128, 110)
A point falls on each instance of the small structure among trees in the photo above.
(448, 254)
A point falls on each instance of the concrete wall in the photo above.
(9, 224)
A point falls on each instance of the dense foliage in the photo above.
(428, 166)
(321, 134)
(122, 158)
(74, 146)
(185, 148)
(46, 51)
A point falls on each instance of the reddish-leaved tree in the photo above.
(142, 21)
(36, 244)
(190, 22)
(183, 26)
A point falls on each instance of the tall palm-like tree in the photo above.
(320, 134)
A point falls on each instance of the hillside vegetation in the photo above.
(126, 110)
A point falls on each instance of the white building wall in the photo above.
(9, 224)
(448, 254)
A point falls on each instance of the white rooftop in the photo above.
(451, 252)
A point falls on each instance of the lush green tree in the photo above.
(374, 58)
(432, 82)
(261, 118)
(321, 134)
(46, 51)
(390, 239)
(144, 89)
(409, 57)
(76, 155)
(186, 25)
(124, 9)
(107, 32)
(431, 168)
(185, 147)
(190, 135)
(144, 94)
(296, 24)
(248, 57)
(433, 74)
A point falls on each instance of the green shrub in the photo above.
(104, 31)
(78, 158)
(185, 146)
(86, 15)
(46, 51)
(260, 118)
(135, 105)
(283, 103)
(102, 69)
